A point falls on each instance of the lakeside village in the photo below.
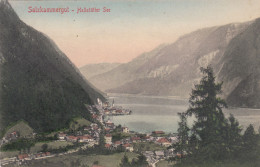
(154, 146)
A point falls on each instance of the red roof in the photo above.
(72, 137)
(85, 137)
(163, 140)
(107, 145)
(179, 155)
(136, 138)
(14, 133)
(118, 142)
(127, 145)
(158, 132)
(108, 135)
(38, 154)
(22, 156)
(88, 135)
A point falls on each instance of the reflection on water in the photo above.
(160, 113)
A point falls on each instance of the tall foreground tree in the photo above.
(210, 127)
(206, 106)
(212, 137)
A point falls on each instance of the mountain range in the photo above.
(91, 70)
(39, 84)
(173, 69)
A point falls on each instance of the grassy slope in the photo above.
(51, 145)
(79, 122)
(37, 148)
(8, 154)
(22, 127)
(66, 160)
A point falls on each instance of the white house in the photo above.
(62, 136)
(108, 138)
(125, 129)
(84, 139)
(128, 147)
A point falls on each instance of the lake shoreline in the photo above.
(161, 113)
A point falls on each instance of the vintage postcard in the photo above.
(130, 83)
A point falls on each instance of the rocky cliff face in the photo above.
(241, 68)
(172, 69)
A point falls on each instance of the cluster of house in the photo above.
(107, 109)
(40, 155)
(95, 112)
(153, 157)
(7, 161)
(10, 137)
(25, 157)
(127, 143)
(116, 111)
(90, 135)
(157, 137)
(109, 126)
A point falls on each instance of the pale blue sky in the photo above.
(132, 27)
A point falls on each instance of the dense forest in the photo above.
(39, 84)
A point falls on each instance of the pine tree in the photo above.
(233, 137)
(140, 162)
(183, 136)
(125, 162)
(250, 144)
(44, 147)
(213, 138)
(250, 138)
(210, 122)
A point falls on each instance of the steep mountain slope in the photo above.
(171, 69)
(91, 70)
(38, 82)
(241, 68)
(124, 72)
(233, 50)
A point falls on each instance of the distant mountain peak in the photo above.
(232, 50)
(7, 12)
(5, 2)
(6, 5)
